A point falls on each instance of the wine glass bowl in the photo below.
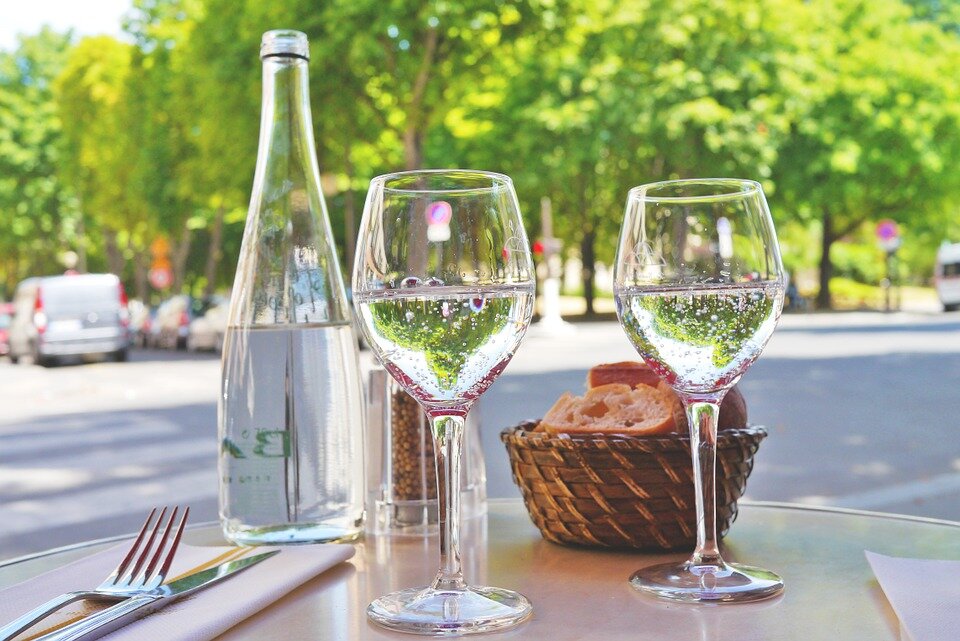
(444, 288)
(699, 288)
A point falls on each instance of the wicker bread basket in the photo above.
(621, 491)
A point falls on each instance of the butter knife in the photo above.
(120, 614)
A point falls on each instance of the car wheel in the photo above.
(38, 358)
(121, 355)
(14, 359)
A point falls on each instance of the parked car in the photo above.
(946, 276)
(140, 321)
(207, 330)
(171, 327)
(72, 315)
(6, 316)
(150, 331)
(172, 323)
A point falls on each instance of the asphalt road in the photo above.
(863, 411)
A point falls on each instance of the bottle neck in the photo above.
(286, 126)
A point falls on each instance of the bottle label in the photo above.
(265, 444)
(254, 468)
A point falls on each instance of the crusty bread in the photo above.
(733, 409)
(676, 407)
(611, 409)
(630, 373)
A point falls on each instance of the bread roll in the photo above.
(733, 409)
(611, 409)
(630, 373)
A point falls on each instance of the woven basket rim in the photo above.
(522, 433)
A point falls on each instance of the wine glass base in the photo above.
(726, 583)
(433, 612)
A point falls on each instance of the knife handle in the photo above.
(108, 620)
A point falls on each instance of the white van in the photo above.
(71, 315)
(946, 275)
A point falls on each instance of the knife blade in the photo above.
(120, 614)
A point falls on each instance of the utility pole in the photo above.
(551, 319)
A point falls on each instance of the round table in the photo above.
(581, 593)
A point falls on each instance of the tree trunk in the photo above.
(588, 257)
(81, 243)
(413, 148)
(416, 114)
(216, 252)
(824, 299)
(587, 253)
(412, 152)
(180, 253)
(349, 209)
(115, 259)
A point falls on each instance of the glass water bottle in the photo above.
(291, 404)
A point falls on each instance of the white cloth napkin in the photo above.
(924, 593)
(199, 617)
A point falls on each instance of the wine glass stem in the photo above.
(702, 415)
(447, 441)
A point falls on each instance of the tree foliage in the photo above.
(37, 212)
(877, 135)
(846, 110)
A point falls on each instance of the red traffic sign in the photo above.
(439, 213)
(887, 230)
(160, 277)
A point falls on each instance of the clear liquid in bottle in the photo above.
(291, 405)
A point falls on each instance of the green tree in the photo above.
(38, 215)
(91, 94)
(412, 60)
(629, 94)
(220, 98)
(878, 134)
(159, 94)
(384, 81)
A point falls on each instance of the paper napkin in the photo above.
(924, 593)
(199, 617)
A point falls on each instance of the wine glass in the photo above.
(444, 286)
(699, 288)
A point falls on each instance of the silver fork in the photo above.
(141, 570)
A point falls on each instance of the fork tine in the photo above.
(122, 566)
(145, 554)
(148, 571)
(173, 546)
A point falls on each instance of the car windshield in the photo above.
(4, 321)
(65, 296)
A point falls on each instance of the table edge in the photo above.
(828, 509)
(505, 502)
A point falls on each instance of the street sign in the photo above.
(160, 277)
(888, 235)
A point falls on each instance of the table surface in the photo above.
(581, 593)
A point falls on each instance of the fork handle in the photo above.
(20, 624)
(106, 621)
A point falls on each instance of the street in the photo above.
(863, 411)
